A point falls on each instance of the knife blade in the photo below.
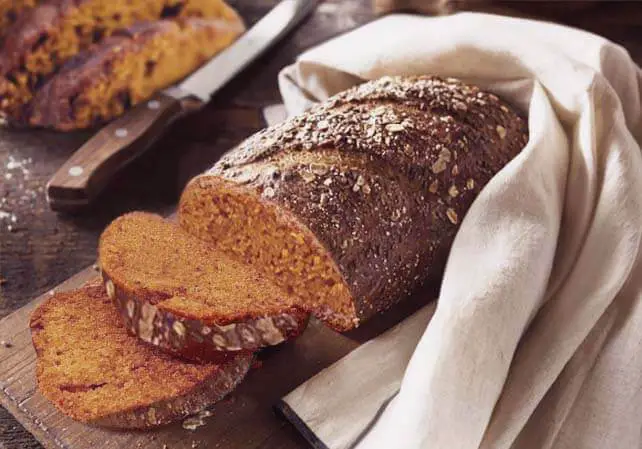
(88, 171)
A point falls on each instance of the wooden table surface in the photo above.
(39, 248)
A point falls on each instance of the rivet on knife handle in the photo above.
(88, 170)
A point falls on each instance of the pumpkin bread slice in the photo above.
(187, 296)
(125, 69)
(45, 37)
(92, 370)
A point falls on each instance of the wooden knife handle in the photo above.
(91, 167)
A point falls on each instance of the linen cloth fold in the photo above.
(536, 340)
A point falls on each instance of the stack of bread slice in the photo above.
(74, 64)
(338, 213)
(172, 327)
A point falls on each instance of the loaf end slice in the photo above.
(188, 297)
(92, 370)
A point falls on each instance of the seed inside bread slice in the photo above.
(93, 371)
(186, 295)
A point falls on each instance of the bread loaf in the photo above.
(125, 69)
(44, 38)
(353, 204)
(94, 372)
(186, 296)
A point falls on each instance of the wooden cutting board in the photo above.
(245, 419)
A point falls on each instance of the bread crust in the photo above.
(189, 336)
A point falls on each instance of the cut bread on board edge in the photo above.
(93, 371)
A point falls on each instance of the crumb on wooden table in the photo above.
(198, 420)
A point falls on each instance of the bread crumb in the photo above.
(6, 344)
(194, 422)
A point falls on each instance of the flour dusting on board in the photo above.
(16, 190)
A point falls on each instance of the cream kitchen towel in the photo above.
(536, 341)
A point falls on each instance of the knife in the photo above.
(117, 144)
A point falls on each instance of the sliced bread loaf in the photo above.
(356, 202)
(45, 37)
(93, 371)
(125, 69)
(188, 297)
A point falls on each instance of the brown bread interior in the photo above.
(156, 261)
(93, 371)
(238, 220)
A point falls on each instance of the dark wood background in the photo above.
(39, 248)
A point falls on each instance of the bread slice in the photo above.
(92, 370)
(125, 69)
(188, 297)
(355, 203)
(45, 37)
